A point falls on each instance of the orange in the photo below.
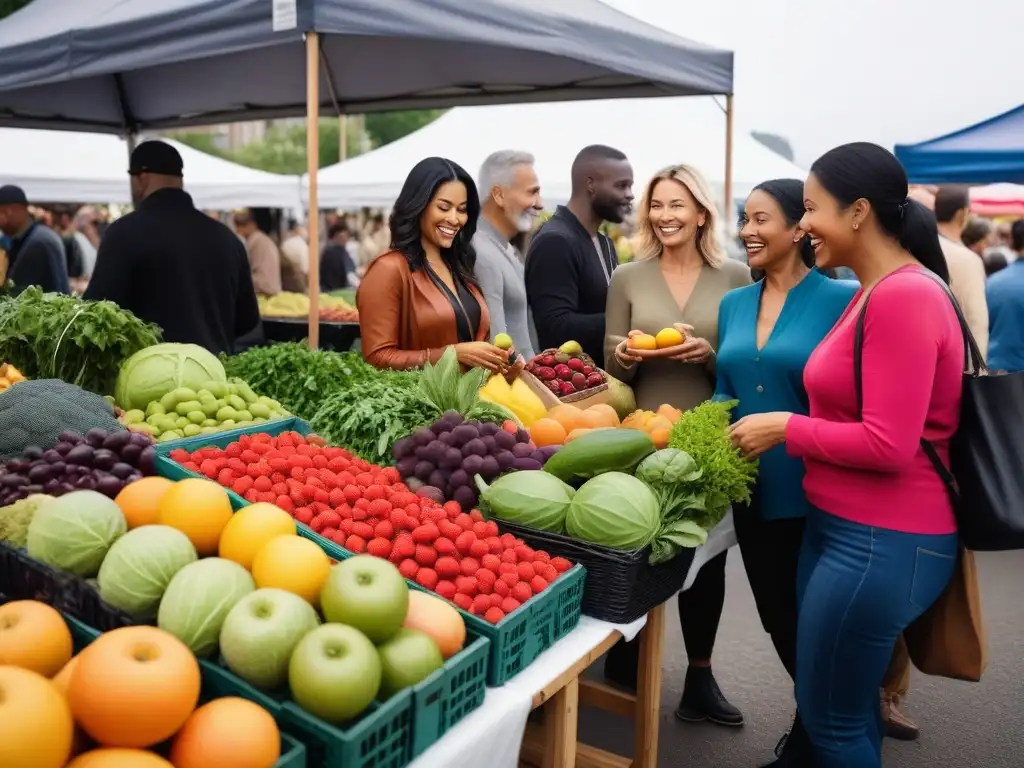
(34, 636)
(293, 564)
(547, 431)
(250, 528)
(134, 687)
(567, 415)
(200, 509)
(63, 678)
(668, 337)
(609, 417)
(35, 721)
(438, 619)
(642, 341)
(227, 733)
(669, 412)
(119, 758)
(139, 501)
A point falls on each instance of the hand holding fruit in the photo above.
(694, 349)
(624, 355)
(481, 354)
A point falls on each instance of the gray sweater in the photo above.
(500, 273)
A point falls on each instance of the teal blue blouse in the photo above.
(771, 379)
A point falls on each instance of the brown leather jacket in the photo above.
(404, 319)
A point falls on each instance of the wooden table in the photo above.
(554, 744)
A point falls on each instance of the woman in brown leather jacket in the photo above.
(421, 296)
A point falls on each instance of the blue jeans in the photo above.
(858, 588)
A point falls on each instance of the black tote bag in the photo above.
(985, 479)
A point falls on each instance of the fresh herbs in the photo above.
(444, 385)
(674, 477)
(53, 336)
(299, 378)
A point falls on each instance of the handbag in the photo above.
(984, 478)
(948, 639)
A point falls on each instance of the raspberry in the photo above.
(526, 571)
(481, 604)
(501, 588)
(362, 529)
(538, 584)
(469, 566)
(561, 564)
(409, 568)
(447, 567)
(379, 548)
(384, 529)
(425, 555)
(465, 542)
(425, 534)
(493, 615)
(522, 592)
(465, 602)
(446, 589)
(427, 578)
(509, 604)
(445, 547)
(355, 544)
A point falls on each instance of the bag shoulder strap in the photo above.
(974, 363)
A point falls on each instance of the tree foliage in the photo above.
(7, 7)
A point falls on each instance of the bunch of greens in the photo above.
(368, 420)
(445, 386)
(675, 478)
(296, 376)
(726, 476)
(53, 336)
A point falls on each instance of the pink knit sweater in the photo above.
(872, 470)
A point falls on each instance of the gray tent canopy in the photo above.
(124, 66)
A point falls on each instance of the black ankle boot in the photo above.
(794, 749)
(704, 700)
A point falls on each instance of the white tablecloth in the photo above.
(493, 734)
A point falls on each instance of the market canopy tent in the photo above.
(998, 200)
(652, 132)
(108, 65)
(57, 166)
(990, 151)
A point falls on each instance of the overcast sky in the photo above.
(824, 72)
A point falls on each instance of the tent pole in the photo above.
(727, 208)
(312, 166)
(343, 138)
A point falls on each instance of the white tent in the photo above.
(61, 166)
(652, 132)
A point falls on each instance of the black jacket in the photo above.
(566, 284)
(38, 258)
(175, 266)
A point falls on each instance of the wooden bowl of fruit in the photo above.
(668, 342)
(568, 372)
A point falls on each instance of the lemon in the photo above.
(668, 337)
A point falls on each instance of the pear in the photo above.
(571, 348)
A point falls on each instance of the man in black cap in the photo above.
(36, 255)
(173, 265)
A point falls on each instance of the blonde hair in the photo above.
(708, 246)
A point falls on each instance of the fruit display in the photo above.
(567, 371)
(214, 407)
(9, 376)
(445, 456)
(658, 424)
(517, 397)
(288, 304)
(100, 460)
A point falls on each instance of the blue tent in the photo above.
(985, 153)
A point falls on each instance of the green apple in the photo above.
(334, 673)
(260, 633)
(407, 659)
(367, 593)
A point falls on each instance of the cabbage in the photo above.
(152, 372)
(74, 532)
(531, 498)
(140, 565)
(614, 510)
(198, 600)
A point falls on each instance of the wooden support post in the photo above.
(648, 692)
(312, 166)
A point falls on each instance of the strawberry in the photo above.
(510, 578)
(179, 455)
(379, 548)
(476, 515)
(413, 510)
(496, 600)
(434, 515)
(425, 534)
(234, 450)
(540, 556)
(329, 533)
(252, 495)
(524, 552)
(321, 496)
(504, 568)
(372, 521)
(225, 477)
(481, 530)
(561, 564)
(355, 544)
(332, 518)
(465, 602)
(469, 566)
(465, 542)
(405, 545)
(304, 515)
(425, 555)
(501, 588)
(317, 524)
(391, 475)
(336, 497)
(494, 545)
(466, 584)
(526, 571)
(491, 563)
(320, 461)
(485, 581)
(352, 493)
(479, 548)
(452, 509)
(447, 567)
(242, 484)
(465, 522)
(509, 604)
(522, 592)
(280, 488)
(508, 540)
(492, 528)
(445, 547)
(374, 491)
(538, 584)
(493, 615)
(285, 503)
(546, 571)
(359, 512)
(384, 529)
(380, 508)
(363, 530)
(426, 578)
(481, 604)
(347, 527)
(249, 456)
(445, 589)
(409, 568)
(509, 556)
(449, 529)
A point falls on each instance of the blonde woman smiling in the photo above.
(680, 276)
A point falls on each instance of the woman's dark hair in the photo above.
(789, 194)
(864, 170)
(422, 183)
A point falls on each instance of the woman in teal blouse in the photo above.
(766, 332)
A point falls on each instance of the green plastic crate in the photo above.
(293, 753)
(266, 426)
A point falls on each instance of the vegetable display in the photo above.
(151, 373)
(99, 461)
(614, 510)
(74, 533)
(531, 498)
(599, 451)
(53, 336)
(15, 519)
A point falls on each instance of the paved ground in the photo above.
(963, 725)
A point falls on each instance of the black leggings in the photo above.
(771, 550)
(700, 611)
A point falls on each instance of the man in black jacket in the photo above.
(570, 263)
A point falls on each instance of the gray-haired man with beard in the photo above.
(509, 204)
(570, 263)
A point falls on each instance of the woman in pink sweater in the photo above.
(881, 544)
